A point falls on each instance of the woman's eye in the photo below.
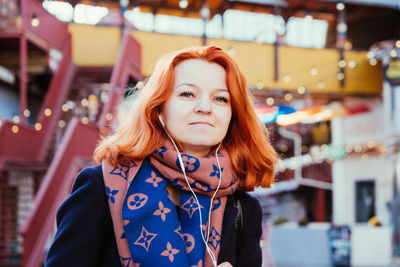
(221, 99)
(187, 94)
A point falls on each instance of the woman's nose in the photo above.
(203, 105)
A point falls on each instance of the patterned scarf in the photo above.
(147, 227)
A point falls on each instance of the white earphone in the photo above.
(205, 240)
(162, 122)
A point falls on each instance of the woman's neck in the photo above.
(198, 152)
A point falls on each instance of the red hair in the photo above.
(247, 141)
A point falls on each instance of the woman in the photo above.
(170, 188)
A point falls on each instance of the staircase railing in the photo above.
(50, 32)
(79, 141)
(128, 64)
(22, 142)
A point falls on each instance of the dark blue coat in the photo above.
(85, 235)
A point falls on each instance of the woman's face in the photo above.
(198, 113)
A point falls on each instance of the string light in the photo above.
(205, 11)
(382, 149)
(277, 27)
(398, 43)
(38, 126)
(373, 62)
(341, 27)
(371, 144)
(301, 90)
(260, 85)
(27, 113)
(393, 53)
(283, 148)
(15, 129)
(357, 148)
(342, 63)
(352, 64)
(288, 97)
(140, 85)
(85, 120)
(104, 97)
(61, 124)
(84, 102)
(321, 85)
(287, 78)
(65, 107)
(308, 18)
(340, 76)
(47, 112)
(16, 119)
(183, 4)
(109, 116)
(35, 21)
(270, 101)
(370, 55)
(136, 8)
(340, 6)
(103, 130)
(70, 104)
(329, 153)
(314, 71)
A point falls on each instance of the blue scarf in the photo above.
(147, 227)
(155, 235)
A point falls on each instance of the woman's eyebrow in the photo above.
(195, 86)
(188, 84)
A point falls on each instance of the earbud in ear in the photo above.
(161, 120)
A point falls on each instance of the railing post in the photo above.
(23, 63)
(4, 216)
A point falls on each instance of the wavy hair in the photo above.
(247, 139)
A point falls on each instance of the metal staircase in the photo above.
(78, 143)
(31, 149)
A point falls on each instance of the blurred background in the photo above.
(325, 80)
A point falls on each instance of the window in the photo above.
(365, 200)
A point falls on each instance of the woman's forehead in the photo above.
(200, 73)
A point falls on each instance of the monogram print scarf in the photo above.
(148, 229)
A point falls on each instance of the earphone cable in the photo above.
(205, 240)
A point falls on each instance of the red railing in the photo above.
(55, 97)
(50, 29)
(20, 146)
(78, 141)
(27, 144)
(22, 143)
(128, 63)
